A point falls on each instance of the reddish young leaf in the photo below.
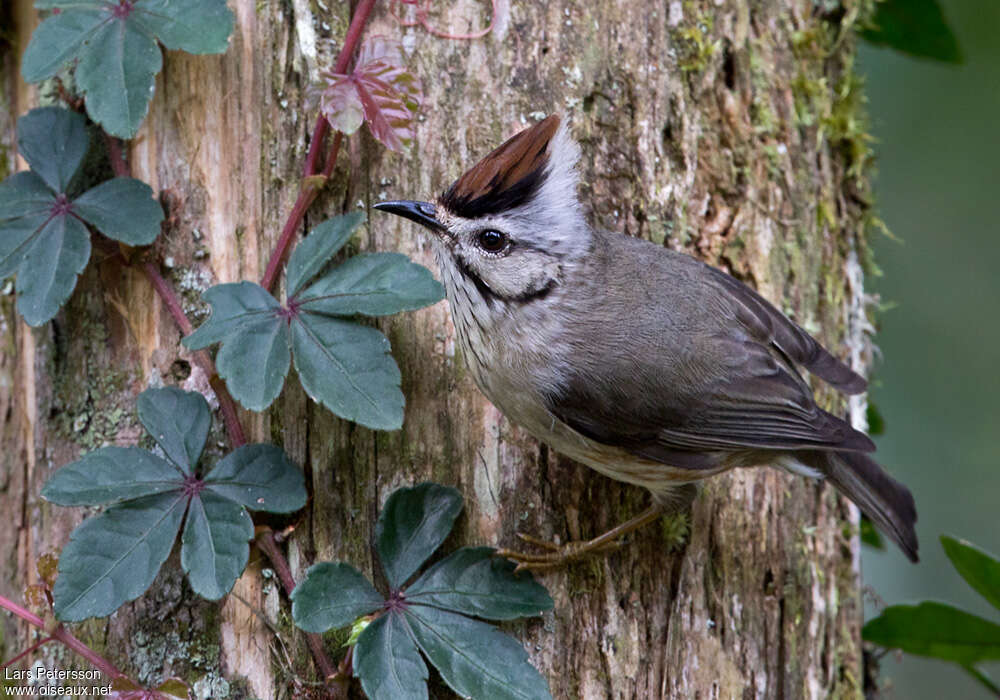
(380, 90)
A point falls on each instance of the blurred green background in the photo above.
(938, 383)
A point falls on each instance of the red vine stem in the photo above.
(310, 188)
(227, 405)
(63, 635)
(269, 546)
(30, 650)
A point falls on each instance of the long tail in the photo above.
(885, 501)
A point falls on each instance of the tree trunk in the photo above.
(724, 129)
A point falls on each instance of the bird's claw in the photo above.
(558, 555)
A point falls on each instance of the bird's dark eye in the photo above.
(492, 241)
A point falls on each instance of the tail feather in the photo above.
(885, 501)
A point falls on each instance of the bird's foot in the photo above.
(558, 555)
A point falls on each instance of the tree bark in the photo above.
(724, 129)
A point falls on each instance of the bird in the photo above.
(641, 362)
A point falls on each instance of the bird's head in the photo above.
(510, 224)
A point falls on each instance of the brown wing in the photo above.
(709, 370)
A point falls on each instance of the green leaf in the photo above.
(414, 523)
(254, 357)
(332, 596)
(179, 421)
(475, 659)
(870, 536)
(375, 284)
(215, 544)
(111, 475)
(113, 558)
(260, 477)
(25, 207)
(937, 630)
(387, 662)
(979, 569)
(54, 141)
(60, 38)
(25, 194)
(122, 208)
(116, 51)
(53, 258)
(348, 369)
(916, 27)
(474, 581)
(117, 73)
(195, 26)
(315, 250)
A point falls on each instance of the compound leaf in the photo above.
(254, 357)
(52, 260)
(474, 581)
(332, 596)
(179, 421)
(414, 523)
(54, 141)
(937, 630)
(979, 569)
(374, 284)
(348, 369)
(122, 208)
(215, 545)
(381, 89)
(111, 475)
(113, 558)
(475, 659)
(387, 661)
(114, 45)
(260, 477)
(315, 250)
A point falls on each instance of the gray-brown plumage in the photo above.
(643, 363)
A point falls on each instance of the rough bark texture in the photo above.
(727, 129)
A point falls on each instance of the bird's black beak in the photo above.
(424, 213)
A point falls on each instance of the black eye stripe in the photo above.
(492, 241)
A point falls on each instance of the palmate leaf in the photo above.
(43, 238)
(380, 89)
(114, 557)
(114, 46)
(345, 366)
(474, 658)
